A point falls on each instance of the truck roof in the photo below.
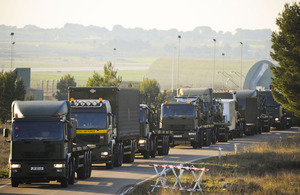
(39, 109)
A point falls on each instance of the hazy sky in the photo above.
(184, 15)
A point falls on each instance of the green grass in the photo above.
(197, 72)
(271, 168)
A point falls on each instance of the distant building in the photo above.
(24, 74)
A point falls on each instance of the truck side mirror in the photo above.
(5, 132)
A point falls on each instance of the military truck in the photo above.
(278, 117)
(252, 110)
(152, 140)
(108, 119)
(190, 118)
(230, 112)
(43, 144)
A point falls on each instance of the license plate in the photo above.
(177, 136)
(36, 168)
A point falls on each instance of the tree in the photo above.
(62, 87)
(286, 46)
(149, 90)
(110, 78)
(10, 89)
(29, 97)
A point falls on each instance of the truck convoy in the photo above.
(108, 119)
(195, 118)
(152, 140)
(43, 144)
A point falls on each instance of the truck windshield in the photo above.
(142, 115)
(178, 110)
(37, 131)
(271, 102)
(90, 120)
(242, 104)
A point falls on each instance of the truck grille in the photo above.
(35, 155)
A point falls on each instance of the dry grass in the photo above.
(271, 168)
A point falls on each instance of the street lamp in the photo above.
(11, 50)
(213, 78)
(179, 37)
(223, 54)
(173, 62)
(241, 64)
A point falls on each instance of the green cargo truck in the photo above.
(108, 119)
(43, 145)
(152, 140)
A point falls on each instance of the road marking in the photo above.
(4, 185)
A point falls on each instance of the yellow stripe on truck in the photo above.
(91, 131)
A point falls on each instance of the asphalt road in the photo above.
(119, 179)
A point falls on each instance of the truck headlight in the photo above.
(58, 166)
(142, 141)
(15, 166)
(276, 119)
(104, 153)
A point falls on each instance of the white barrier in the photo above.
(161, 180)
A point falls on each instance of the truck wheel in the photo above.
(14, 183)
(81, 173)
(129, 158)
(65, 180)
(167, 145)
(119, 156)
(132, 156)
(72, 171)
(200, 137)
(146, 153)
(214, 135)
(90, 163)
(153, 147)
(110, 164)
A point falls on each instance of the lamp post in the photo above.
(241, 65)
(11, 50)
(213, 77)
(223, 54)
(179, 37)
(173, 62)
(115, 50)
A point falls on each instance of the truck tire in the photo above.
(64, 182)
(89, 164)
(207, 138)
(200, 137)
(72, 171)
(119, 159)
(165, 145)
(82, 171)
(153, 146)
(214, 135)
(14, 182)
(147, 152)
(129, 158)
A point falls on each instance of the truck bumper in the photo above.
(33, 171)
(184, 136)
(101, 154)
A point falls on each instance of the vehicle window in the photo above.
(37, 131)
